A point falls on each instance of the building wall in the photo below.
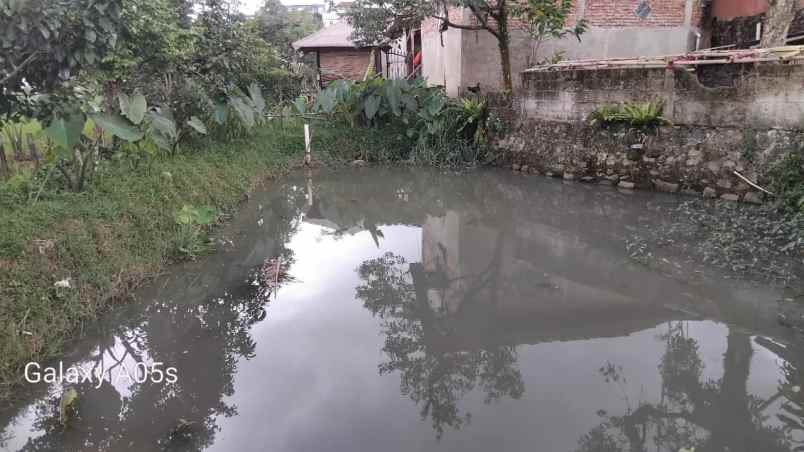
(347, 64)
(730, 9)
(737, 23)
(615, 30)
(442, 54)
(481, 56)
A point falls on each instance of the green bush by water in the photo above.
(407, 120)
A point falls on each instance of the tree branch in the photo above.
(447, 22)
(17, 69)
(484, 20)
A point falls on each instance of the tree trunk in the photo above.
(777, 22)
(505, 52)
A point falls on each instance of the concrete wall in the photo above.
(442, 55)
(472, 58)
(762, 96)
(481, 56)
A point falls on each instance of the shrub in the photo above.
(787, 178)
(638, 115)
(420, 123)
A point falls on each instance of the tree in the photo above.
(46, 43)
(545, 20)
(777, 22)
(280, 27)
(377, 20)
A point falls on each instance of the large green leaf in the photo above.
(133, 107)
(326, 100)
(162, 121)
(243, 110)
(393, 95)
(219, 115)
(162, 141)
(372, 106)
(197, 125)
(257, 99)
(66, 130)
(300, 104)
(410, 103)
(118, 126)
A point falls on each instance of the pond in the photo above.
(401, 310)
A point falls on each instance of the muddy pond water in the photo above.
(402, 310)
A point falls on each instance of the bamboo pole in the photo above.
(308, 159)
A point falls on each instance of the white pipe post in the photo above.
(307, 151)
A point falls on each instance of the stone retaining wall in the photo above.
(692, 160)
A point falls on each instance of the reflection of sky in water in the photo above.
(116, 365)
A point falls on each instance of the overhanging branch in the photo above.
(19, 68)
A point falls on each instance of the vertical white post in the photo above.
(307, 151)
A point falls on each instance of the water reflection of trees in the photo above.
(697, 414)
(435, 378)
(203, 337)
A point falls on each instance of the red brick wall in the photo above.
(622, 13)
(616, 13)
(346, 64)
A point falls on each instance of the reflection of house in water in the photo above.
(532, 282)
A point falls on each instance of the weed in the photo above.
(787, 181)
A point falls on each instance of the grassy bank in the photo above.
(114, 235)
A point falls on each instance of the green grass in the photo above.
(116, 233)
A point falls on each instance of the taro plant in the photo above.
(236, 114)
(74, 153)
(136, 121)
(436, 129)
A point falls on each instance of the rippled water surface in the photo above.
(396, 310)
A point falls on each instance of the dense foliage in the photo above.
(421, 124)
(85, 83)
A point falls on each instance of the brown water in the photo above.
(433, 311)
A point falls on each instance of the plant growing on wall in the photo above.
(546, 20)
(642, 116)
